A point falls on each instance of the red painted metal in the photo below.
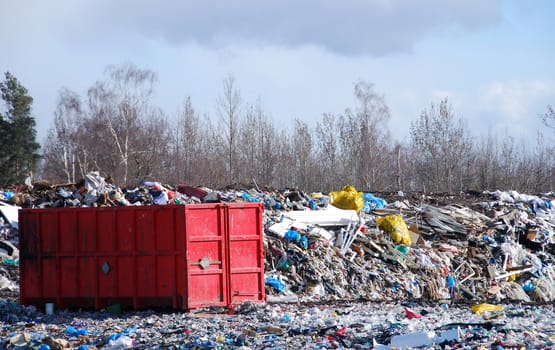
(246, 253)
(206, 257)
(151, 256)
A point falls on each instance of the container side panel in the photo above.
(125, 272)
(144, 228)
(107, 276)
(146, 276)
(29, 233)
(30, 281)
(180, 279)
(87, 231)
(180, 258)
(87, 277)
(68, 234)
(104, 231)
(125, 230)
(49, 277)
(49, 233)
(164, 229)
(165, 275)
(69, 277)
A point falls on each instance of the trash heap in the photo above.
(349, 245)
(494, 246)
(471, 271)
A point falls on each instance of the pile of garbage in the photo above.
(349, 245)
(501, 248)
(429, 261)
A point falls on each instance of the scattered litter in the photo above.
(343, 270)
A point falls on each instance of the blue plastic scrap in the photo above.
(292, 235)
(247, 197)
(274, 282)
(304, 242)
(450, 281)
(528, 287)
(371, 202)
(72, 332)
(313, 204)
(125, 333)
(9, 195)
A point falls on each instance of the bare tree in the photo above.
(267, 147)
(248, 146)
(363, 138)
(302, 152)
(548, 117)
(120, 103)
(508, 162)
(151, 158)
(443, 143)
(328, 144)
(228, 110)
(187, 142)
(487, 163)
(256, 154)
(372, 115)
(62, 146)
(543, 165)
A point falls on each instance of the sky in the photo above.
(491, 59)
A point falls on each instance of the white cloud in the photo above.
(517, 99)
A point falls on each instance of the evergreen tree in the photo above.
(18, 154)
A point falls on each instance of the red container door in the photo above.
(206, 259)
(246, 253)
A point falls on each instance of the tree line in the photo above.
(116, 129)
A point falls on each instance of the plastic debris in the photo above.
(396, 228)
(484, 307)
(480, 248)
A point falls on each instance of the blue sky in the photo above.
(492, 59)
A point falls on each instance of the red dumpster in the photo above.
(180, 256)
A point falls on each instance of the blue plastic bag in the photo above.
(247, 197)
(274, 282)
(72, 332)
(371, 202)
(292, 235)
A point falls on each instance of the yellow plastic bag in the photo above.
(481, 308)
(347, 198)
(396, 228)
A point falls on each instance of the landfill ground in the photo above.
(345, 270)
(361, 325)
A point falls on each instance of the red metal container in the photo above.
(180, 256)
